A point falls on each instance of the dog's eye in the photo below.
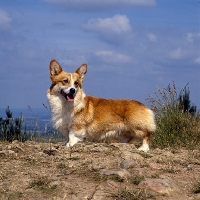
(65, 81)
(76, 83)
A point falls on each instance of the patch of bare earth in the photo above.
(98, 171)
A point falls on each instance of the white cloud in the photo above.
(176, 54)
(197, 60)
(115, 30)
(118, 24)
(190, 37)
(152, 37)
(91, 5)
(112, 57)
(5, 19)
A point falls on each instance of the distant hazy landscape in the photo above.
(33, 118)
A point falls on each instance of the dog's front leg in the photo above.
(65, 132)
(75, 137)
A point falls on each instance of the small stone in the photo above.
(124, 146)
(122, 173)
(127, 155)
(154, 166)
(161, 186)
(99, 149)
(9, 147)
(125, 164)
(103, 190)
(168, 154)
(111, 184)
(139, 171)
(15, 141)
(7, 152)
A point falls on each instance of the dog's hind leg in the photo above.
(145, 143)
(125, 137)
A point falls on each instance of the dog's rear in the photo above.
(79, 116)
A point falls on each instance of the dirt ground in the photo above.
(97, 171)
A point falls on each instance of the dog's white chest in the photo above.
(60, 113)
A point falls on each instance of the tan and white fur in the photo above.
(79, 116)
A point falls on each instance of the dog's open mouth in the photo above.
(68, 97)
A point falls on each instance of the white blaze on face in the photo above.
(67, 90)
(71, 78)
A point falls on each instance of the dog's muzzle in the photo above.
(70, 95)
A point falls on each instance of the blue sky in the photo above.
(130, 46)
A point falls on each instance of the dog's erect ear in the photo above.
(81, 71)
(55, 68)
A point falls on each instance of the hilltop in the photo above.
(97, 171)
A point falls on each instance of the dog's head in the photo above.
(64, 83)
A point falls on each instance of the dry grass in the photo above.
(43, 184)
(127, 194)
(196, 188)
(175, 128)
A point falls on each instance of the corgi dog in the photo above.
(79, 116)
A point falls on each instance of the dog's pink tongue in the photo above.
(69, 99)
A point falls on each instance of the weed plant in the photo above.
(42, 184)
(196, 188)
(176, 126)
(42, 135)
(137, 179)
(15, 128)
(11, 128)
(126, 194)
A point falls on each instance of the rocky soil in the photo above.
(97, 171)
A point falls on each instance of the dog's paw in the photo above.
(68, 144)
(144, 148)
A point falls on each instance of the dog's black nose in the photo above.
(72, 91)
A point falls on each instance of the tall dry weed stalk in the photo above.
(38, 134)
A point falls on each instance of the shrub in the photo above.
(196, 188)
(43, 184)
(126, 194)
(137, 179)
(176, 125)
(11, 128)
